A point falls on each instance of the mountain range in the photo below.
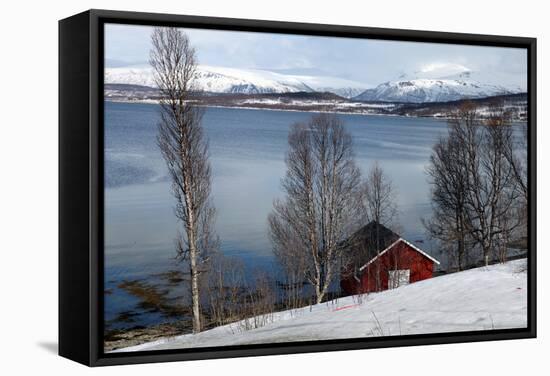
(464, 85)
(243, 81)
(421, 87)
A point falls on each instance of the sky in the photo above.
(369, 62)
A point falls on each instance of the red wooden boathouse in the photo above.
(381, 259)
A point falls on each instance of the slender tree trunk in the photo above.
(195, 297)
(185, 149)
(380, 203)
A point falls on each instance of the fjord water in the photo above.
(247, 152)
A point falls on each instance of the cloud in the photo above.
(443, 69)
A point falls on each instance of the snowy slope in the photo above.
(342, 87)
(443, 83)
(129, 76)
(423, 90)
(243, 81)
(479, 299)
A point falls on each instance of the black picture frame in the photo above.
(81, 186)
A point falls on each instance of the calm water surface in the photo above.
(247, 149)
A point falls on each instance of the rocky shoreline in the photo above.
(118, 339)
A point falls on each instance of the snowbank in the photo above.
(493, 297)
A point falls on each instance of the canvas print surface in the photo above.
(271, 188)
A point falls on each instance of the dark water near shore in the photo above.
(247, 155)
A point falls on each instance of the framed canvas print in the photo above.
(236, 187)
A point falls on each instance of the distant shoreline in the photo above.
(436, 116)
(155, 101)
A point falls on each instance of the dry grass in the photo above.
(153, 298)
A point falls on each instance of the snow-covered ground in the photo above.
(493, 297)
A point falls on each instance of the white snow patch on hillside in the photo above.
(244, 81)
(142, 76)
(486, 298)
(442, 82)
(424, 90)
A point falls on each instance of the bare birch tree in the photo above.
(185, 149)
(449, 179)
(491, 194)
(475, 190)
(322, 204)
(380, 201)
(516, 153)
(380, 197)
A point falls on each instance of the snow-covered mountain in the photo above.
(247, 81)
(426, 88)
(129, 76)
(434, 83)
(242, 81)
